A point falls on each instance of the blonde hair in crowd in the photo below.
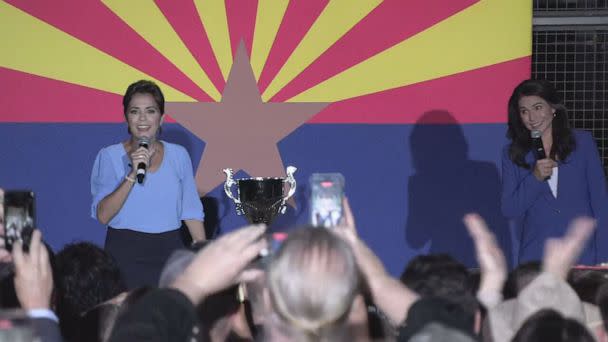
(312, 282)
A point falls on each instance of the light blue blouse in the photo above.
(166, 196)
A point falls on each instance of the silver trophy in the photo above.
(260, 199)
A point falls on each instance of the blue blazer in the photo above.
(581, 191)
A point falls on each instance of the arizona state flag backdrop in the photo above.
(406, 98)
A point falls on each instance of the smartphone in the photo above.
(327, 192)
(275, 240)
(19, 218)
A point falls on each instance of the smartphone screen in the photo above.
(327, 192)
(275, 240)
(19, 218)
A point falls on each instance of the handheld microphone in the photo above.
(537, 145)
(141, 167)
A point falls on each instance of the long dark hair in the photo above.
(521, 143)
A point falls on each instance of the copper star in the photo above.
(240, 132)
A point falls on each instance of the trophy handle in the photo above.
(291, 181)
(227, 189)
(292, 187)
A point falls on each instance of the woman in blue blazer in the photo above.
(543, 194)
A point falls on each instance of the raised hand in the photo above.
(491, 260)
(391, 296)
(562, 253)
(33, 275)
(348, 220)
(222, 263)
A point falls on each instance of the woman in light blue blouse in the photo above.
(144, 218)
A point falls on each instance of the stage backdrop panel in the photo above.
(406, 98)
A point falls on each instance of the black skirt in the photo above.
(141, 256)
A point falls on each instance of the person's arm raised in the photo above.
(491, 260)
(33, 275)
(562, 253)
(388, 293)
(169, 314)
(222, 263)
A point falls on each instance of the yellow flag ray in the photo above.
(147, 19)
(215, 21)
(267, 21)
(489, 32)
(33, 46)
(338, 17)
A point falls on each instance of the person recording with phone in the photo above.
(143, 188)
(27, 268)
(551, 173)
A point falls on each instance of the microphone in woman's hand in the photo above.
(537, 145)
(141, 167)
